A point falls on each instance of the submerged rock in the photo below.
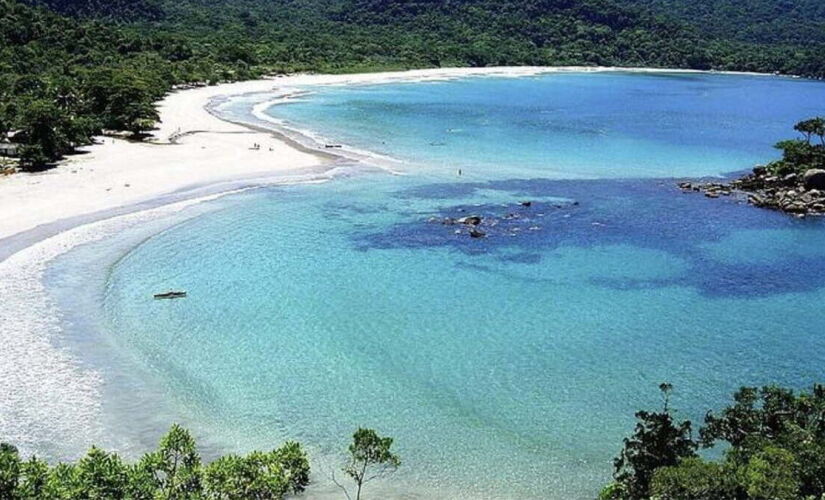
(472, 220)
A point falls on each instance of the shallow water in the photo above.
(505, 367)
(575, 125)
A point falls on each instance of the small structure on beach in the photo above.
(8, 149)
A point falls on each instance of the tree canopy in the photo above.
(173, 471)
(774, 442)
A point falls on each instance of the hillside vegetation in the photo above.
(69, 69)
(799, 22)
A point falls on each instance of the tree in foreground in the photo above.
(775, 450)
(174, 469)
(259, 475)
(173, 472)
(659, 441)
(370, 458)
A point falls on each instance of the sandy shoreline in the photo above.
(191, 147)
(193, 156)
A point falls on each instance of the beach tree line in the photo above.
(175, 471)
(774, 449)
(72, 69)
(62, 81)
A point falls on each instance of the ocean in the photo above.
(507, 366)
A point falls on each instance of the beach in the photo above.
(190, 147)
(296, 290)
(192, 156)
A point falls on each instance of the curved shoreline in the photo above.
(61, 212)
(205, 149)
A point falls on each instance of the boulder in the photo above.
(814, 178)
(796, 207)
(473, 220)
(756, 200)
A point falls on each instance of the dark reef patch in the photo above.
(644, 213)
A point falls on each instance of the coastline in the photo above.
(191, 146)
(193, 156)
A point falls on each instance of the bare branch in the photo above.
(332, 473)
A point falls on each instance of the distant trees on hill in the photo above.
(795, 22)
(65, 79)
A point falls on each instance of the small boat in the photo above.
(332, 146)
(170, 295)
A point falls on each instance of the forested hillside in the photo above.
(800, 22)
(70, 68)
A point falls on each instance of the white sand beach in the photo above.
(44, 390)
(116, 184)
(206, 150)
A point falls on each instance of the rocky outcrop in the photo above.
(814, 178)
(799, 195)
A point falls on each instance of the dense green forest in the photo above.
(797, 22)
(70, 69)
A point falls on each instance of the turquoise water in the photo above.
(566, 125)
(508, 366)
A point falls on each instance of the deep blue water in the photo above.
(508, 366)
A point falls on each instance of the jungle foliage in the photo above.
(70, 69)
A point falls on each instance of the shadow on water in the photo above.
(648, 214)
